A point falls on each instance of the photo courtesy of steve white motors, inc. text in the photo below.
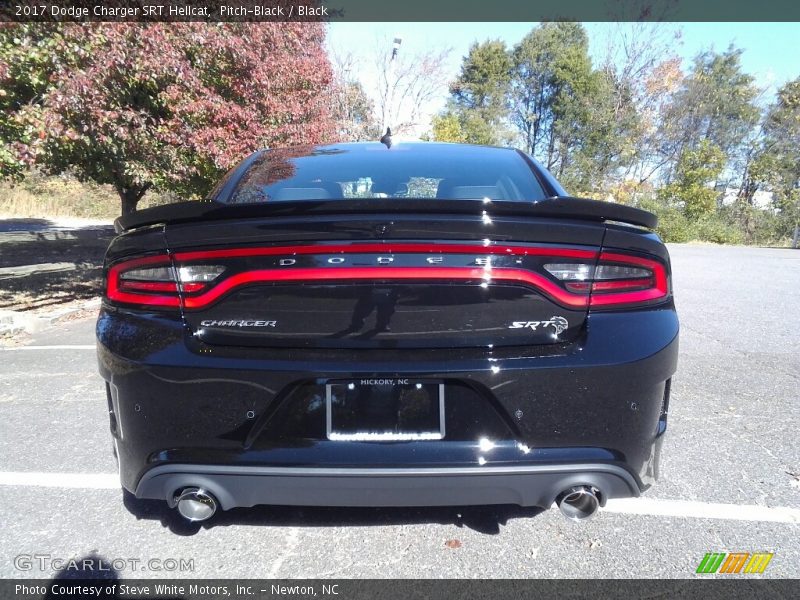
(156, 589)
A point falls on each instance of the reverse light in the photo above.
(570, 271)
(199, 273)
(148, 274)
(620, 272)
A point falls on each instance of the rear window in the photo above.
(418, 170)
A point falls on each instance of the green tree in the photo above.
(542, 70)
(479, 96)
(716, 102)
(574, 118)
(446, 127)
(603, 134)
(776, 164)
(693, 182)
(578, 88)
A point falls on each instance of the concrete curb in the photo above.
(14, 322)
(28, 270)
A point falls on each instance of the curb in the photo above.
(14, 322)
(28, 270)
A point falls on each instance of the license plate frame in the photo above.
(435, 432)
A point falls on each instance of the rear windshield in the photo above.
(438, 171)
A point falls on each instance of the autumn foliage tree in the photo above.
(173, 105)
(30, 53)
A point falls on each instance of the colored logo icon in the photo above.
(734, 562)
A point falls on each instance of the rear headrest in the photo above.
(308, 193)
(468, 192)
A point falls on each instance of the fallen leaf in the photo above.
(453, 544)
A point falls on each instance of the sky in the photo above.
(771, 50)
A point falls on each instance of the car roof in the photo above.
(399, 145)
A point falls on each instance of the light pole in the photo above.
(347, 109)
(389, 80)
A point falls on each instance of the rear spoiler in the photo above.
(556, 207)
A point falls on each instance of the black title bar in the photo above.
(69, 587)
(401, 10)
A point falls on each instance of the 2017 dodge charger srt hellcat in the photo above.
(387, 325)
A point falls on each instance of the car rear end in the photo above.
(364, 332)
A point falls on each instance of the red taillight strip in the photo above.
(621, 284)
(159, 286)
(389, 248)
(115, 288)
(660, 290)
(388, 273)
(149, 286)
(118, 290)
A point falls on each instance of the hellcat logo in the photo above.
(559, 324)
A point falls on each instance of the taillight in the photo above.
(153, 281)
(616, 279)
(624, 279)
(573, 277)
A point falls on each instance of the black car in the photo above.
(388, 325)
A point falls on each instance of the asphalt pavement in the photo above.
(730, 479)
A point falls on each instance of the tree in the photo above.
(536, 85)
(716, 102)
(782, 139)
(644, 68)
(574, 118)
(353, 110)
(479, 96)
(695, 174)
(446, 127)
(602, 136)
(774, 163)
(406, 84)
(353, 113)
(484, 81)
(172, 105)
(654, 108)
(29, 54)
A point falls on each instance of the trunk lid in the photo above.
(382, 280)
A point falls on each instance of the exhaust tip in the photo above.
(578, 503)
(195, 504)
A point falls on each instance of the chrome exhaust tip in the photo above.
(578, 503)
(195, 504)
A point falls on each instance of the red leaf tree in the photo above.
(173, 105)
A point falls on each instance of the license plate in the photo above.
(384, 409)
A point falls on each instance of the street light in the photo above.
(389, 80)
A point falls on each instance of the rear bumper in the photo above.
(523, 423)
(532, 485)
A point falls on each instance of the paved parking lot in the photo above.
(730, 474)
